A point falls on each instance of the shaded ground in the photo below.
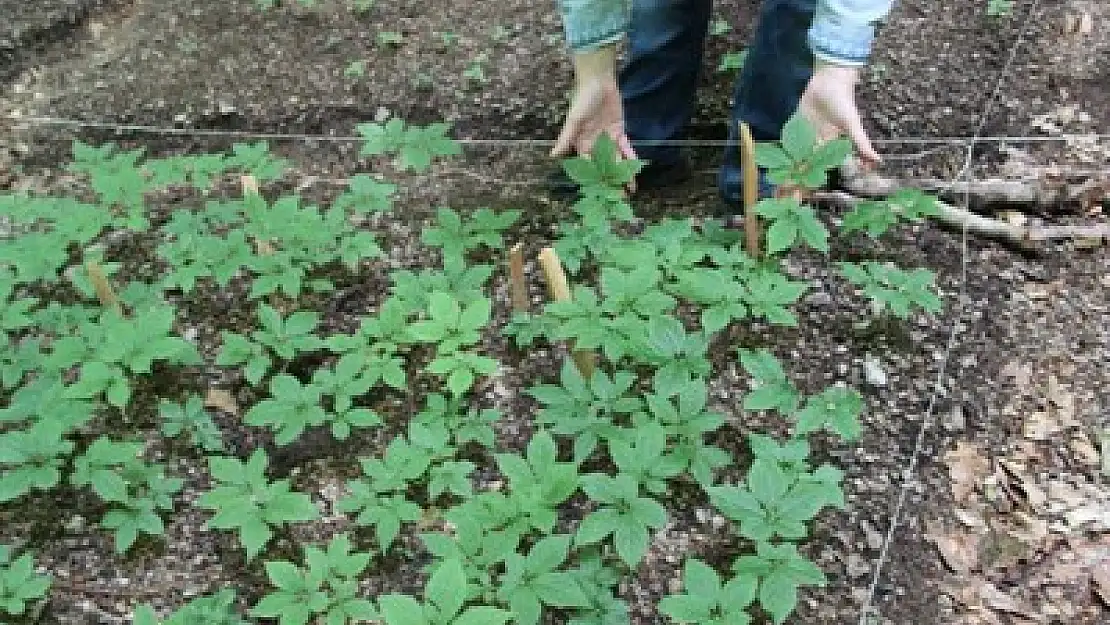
(226, 65)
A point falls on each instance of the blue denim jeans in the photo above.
(659, 80)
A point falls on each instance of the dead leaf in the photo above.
(969, 518)
(1021, 372)
(1062, 398)
(222, 400)
(1040, 426)
(1100, 579)
(1036, 290)
(1020, 488)
(959, 550)
(997, 600)
(1104, 445)
(1084, 451)
(967, 465)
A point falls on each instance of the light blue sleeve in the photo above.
(844, 30)
(590, 24)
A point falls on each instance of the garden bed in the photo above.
(1024, 382)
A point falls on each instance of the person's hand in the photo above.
(596, 107)
(829, 103)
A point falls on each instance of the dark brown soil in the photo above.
(226, 65)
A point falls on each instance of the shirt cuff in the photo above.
(841, 41)
(590, 24)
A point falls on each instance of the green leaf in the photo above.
(401, 610)
(483, 615)
(447, 589)
(799, 138)
(837, 408)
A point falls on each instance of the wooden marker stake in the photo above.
(518, 288)
(559, 290)
(249, 183)
(752, 232)
(103, 288)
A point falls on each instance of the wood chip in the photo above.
(222, 400)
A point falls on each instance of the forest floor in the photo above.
(1002, 439)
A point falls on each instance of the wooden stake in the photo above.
(518, 288)
(559, 289)
(751, 190)
(103, 288)
(249, 183)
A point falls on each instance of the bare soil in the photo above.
(1032, 332)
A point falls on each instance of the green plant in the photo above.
(624, 514)
(533, 581)
(586, 411)
(1000, 8)
(325, 588)
(780, 570)
(191, 418)
(32, 458)
(877, 216)
(380, 498)
(720, 27)
(464, 425)
(291, 408)
(776, 502)
(684, 417)
(800, 159)
(732, 61)
(445, 598)
(390, 38)
(213, 609)
(452, 327)
(245, 501)
(107, 351)
(707, 601)
(134, 490)
(365, 195)
(283, 338)
(476, 69)
(898, 289)
(457, 236)
(355, 69)
(19, 583)
(415, 146)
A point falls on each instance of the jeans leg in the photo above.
(660, 79)
(775, 74)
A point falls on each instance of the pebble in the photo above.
(873, 372)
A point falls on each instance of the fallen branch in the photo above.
(559, 289)
(1038, 192)
(1019, 235)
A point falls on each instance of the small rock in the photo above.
(954, 421)
(873, 371)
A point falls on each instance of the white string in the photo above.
(719, 143)
(909, 474)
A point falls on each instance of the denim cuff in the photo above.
(839, 39)
(591, 24)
